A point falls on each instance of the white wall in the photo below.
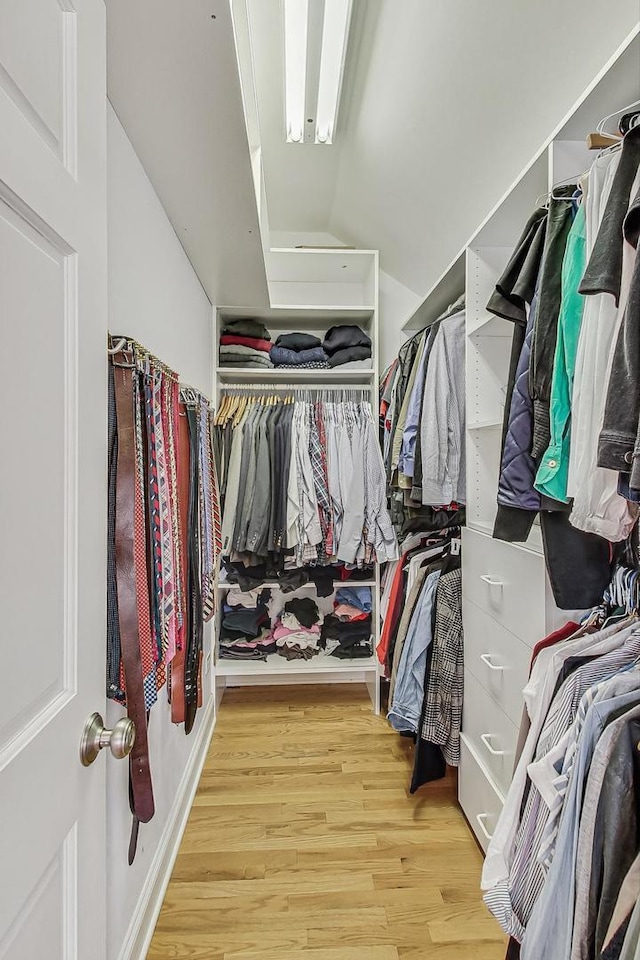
(396, 305)
(154, 296)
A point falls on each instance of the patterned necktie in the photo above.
(166, 545)
(147, 646)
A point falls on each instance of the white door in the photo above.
(52, 476)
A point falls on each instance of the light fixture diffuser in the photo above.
(296, 24)
(335, 33)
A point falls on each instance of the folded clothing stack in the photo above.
(347, 632)
(292, 579)
(245, 343)
(347, 344)
(294, 350)
(296, 632)
(244, 632)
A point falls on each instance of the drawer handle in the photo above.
(480, 819)
(491, 580)
(486, 739)
(486, 659)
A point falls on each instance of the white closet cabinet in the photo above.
(310, 290)
(507, 600)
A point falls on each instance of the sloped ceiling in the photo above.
(444, 102)
(452, 99)
(174, 84)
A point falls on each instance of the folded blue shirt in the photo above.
(359, 597)
(282, 355)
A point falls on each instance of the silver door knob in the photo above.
(95, 737)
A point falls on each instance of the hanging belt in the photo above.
(193, 653)
(141, 790)
(178, 707)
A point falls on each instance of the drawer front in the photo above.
(506, 582)
(496, 658)
(489, 731)
(479, 797)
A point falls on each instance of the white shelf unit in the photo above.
(273, 584)
(300, 377)
(507, 599)
(318, 278)
(311, 291)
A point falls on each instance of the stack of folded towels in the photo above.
(244, 633)
(346, 634)
(296, 632)
(347, 344)
(245, 343)
(295, 350)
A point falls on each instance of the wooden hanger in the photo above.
(221, 412)
(600, 141)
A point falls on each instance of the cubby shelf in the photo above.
(277, 666)
(308, 376)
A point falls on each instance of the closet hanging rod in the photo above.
(616, 113)
(117, 342)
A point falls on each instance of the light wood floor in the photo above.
(303, 843)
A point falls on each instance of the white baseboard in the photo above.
(143, 921)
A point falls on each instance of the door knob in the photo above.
(95, 737)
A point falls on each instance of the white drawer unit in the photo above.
(490, 731)
(507, 582)
(496, 658)
(479, 797)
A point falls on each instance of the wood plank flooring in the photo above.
(304, 844)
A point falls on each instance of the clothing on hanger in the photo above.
(305, 483)
(568, 834)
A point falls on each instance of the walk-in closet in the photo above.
(320, 488)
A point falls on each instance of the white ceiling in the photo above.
(452, 99)
(444, 102)
(173, 82)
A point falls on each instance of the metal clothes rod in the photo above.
(141, 354)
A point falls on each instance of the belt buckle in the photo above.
(120, 347)
(127, 363)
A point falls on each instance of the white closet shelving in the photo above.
(507, 600)
(311, 290)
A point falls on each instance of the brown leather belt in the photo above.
(141, 789)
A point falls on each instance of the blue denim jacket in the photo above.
(404, 714)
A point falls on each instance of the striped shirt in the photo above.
(538, 695)
(512, 900)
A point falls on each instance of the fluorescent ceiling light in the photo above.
(296, 21)
(335, 31)
(314, 54)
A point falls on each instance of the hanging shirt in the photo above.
(550, 929)
(552, 475)
(598, 508)
(538, 695)
(409, 436)
(443, 422)
(512, 900)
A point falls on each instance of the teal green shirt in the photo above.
(553, 471)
